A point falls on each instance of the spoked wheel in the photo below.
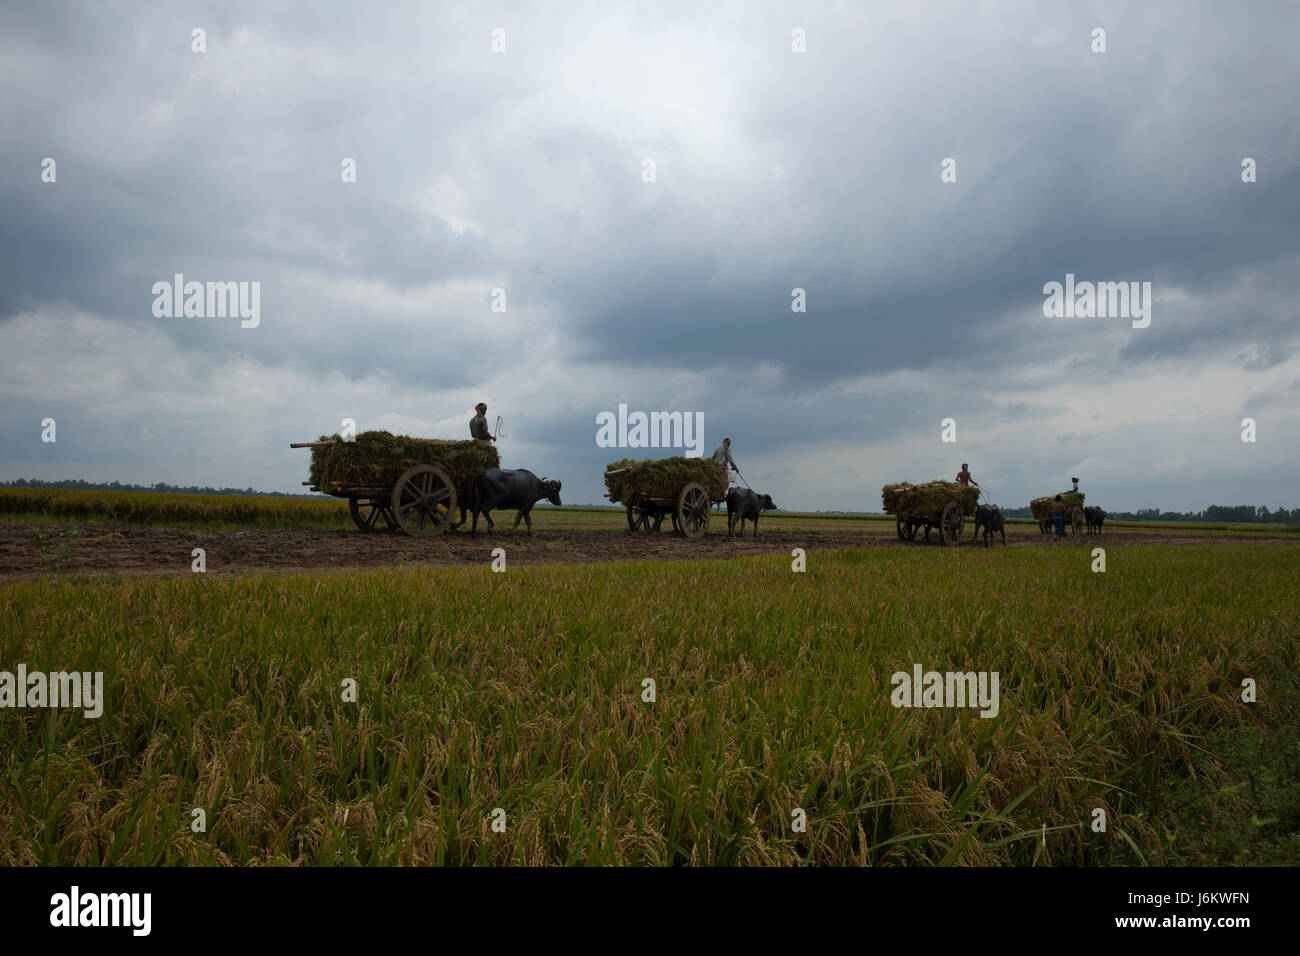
(639, 519)
(906, 530)
(1076, 520)
(692, 514)
(372, 514)
(423, 500)
(950, 523)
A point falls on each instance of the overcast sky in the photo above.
(524, 170)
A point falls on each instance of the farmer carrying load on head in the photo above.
(1058, 516)
(478, 426)
(722, 455)
(963, 477)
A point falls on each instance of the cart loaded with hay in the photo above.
(395, 482)
(935, 504)
(681, 487)
(1041, 509)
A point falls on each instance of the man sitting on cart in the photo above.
(478, 426)
(964, 478)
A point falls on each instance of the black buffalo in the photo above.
(466, 504)
(745, 503)
(989, 517)
(498, 488)
(1094, 517)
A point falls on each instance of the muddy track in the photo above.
(100, 550)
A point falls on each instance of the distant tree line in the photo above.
(83, 485)
(1243, 514)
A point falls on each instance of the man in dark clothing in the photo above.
(1058, 516)
(478, 426)
(963, 477)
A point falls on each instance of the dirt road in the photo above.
(27, 551)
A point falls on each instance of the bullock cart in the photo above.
(936, 504)
(681, 488)
(398, 483)
(1041, 509)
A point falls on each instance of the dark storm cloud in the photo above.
(774, 171)
(695, 264)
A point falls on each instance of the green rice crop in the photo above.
(168, 509)
(524, 691)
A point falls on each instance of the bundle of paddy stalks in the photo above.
(1041, 508)
(928, 498)
(663, 477)
(377, 459)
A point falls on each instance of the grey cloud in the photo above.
(775, 170)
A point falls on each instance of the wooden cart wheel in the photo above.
(372, 514)
(1076, 520)
(950, 523)
(638, 519)
(692, 515)
(423, 500)
(905, 528)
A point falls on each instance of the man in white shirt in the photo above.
(722, 455)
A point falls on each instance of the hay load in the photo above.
(377, 459)
(929, 498)
(1041, 508)
(663, 477)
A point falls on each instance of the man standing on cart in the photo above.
(478, 426)
(722, 455)
(964, 478)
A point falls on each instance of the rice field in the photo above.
(174, 510)
(524, 692)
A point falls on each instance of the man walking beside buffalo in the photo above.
(1058, 516)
